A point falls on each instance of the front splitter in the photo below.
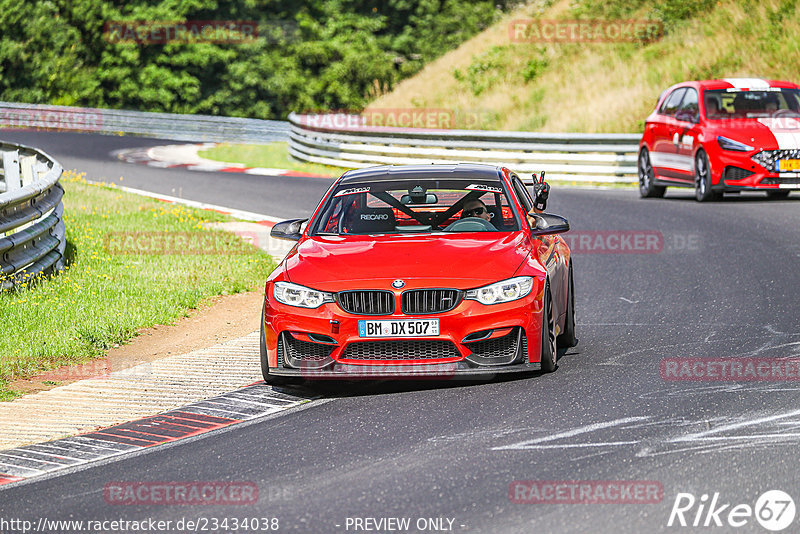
(443, 371)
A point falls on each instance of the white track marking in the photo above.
(570, 433)
(239, 214)
(734, 426)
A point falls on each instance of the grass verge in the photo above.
(111, 288)
(273, 155)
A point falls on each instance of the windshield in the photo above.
(725, 104)
(416, 206)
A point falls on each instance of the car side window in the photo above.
(689, 110)
(673, 102)
(522, 192)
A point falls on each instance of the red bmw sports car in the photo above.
(721, 136)
(434, 270)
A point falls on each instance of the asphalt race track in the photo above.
(273, 195)
(720, 280)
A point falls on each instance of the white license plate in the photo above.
(399, 328)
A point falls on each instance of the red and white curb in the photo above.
(252, 402)
(259, 218)
(186, 157)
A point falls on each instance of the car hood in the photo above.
(462, 261)
(767, 133)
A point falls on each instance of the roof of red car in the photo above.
(745, 83)
(393, 172)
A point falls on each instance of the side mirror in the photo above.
(288, 229)
(547, 223)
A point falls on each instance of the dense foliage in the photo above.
(309, 54)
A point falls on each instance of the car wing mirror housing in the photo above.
(291, 229)
(547, 223)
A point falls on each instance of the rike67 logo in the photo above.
(774, 510)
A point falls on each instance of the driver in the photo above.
(771, 104)
(476, 208)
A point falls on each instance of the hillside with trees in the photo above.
(308, 54)
(500, 83)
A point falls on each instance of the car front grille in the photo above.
(433, 349)
(736, 173)
(767, 158)
(782, 180)
(367, 302)
(424, 301)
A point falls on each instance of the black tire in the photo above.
(778, 195)
(646, 176)
(548, 345)
(268, 378)
(702, 179)
(567, 337)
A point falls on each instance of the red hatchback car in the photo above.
(721, 136)
(434, 270)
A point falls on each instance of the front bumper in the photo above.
(733, 171)
(474, 340)
(762, 182)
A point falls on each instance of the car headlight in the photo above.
(505, 291)
(297, 295)
(730, 144)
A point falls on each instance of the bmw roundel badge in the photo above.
(398, 284)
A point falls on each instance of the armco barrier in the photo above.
(32, 234)
(162, 125)
(344, 142)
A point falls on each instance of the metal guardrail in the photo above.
(32, 233)
(162, 125)
(609, 158)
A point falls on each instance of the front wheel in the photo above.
(702, 179)
(548, 345)
(646, 177)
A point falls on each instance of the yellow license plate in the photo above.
(789, 165)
